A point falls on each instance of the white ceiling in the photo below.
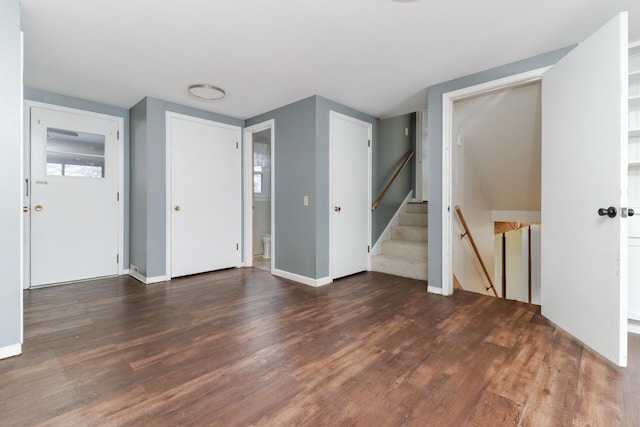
(501, 133)
(377, 56)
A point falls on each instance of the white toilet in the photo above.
(266, 241)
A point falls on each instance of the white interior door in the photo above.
(350, 195)
(205, 206)
(584, 168)
(74, 196)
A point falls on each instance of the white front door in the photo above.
(584, 168)
(74, 197)
(205, 206)
(350, 195)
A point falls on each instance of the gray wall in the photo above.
(138, 187)
(11, 182)
(392, 146)
(148, 185)
(294, 175)
(301, 168)
(81, 104)
(434, 142)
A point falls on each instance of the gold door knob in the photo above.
(337, 209)
(177, 208)
(38, 208)
(25, 209)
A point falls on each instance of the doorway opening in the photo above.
(259, 229)
(496, 188)
(262, 199)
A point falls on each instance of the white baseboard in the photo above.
(395, 220)
(10, 351)
(125, 272)
(434, 290)
(302, 279)
(147, 280)
(633, 326)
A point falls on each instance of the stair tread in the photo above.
(399, 266)
(401, 259)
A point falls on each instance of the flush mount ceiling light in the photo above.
(207, 91)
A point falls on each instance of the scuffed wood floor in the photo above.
(241, 347)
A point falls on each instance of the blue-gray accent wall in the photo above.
(11, 183)
(434, 142)
(81, 104)
(148, 180)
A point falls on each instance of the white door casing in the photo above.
(75, 221)
(584, 168)
(350, 175)
(204, 195)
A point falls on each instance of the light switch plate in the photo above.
(305, 201)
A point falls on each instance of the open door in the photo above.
(584, 168)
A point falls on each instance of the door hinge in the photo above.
(237, 247)
(368, 249)
(118, 196)
(117, 258)
(237, 145)
(118, 133)
(369, 143)
(26, 187)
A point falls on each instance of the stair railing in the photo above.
(467, 233)
(405, 162)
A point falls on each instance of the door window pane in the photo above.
(71, 153)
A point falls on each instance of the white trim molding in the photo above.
(146, 280)
(434, 290)
(10, 351)
(316, 283)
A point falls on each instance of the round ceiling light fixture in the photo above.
(207, 91)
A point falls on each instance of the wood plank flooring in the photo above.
(241, 347)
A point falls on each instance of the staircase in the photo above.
(406, 253)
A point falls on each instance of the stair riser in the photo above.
(399, 268)
(413, 220)
(412, 234)
(404, 249)
(417, 208)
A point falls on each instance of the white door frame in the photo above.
(369, 127)
(247, 147)
(27, 175)
(448, 100)
(168, 206)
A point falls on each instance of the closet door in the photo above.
(205, 195)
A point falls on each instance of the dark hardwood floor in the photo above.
(241, 347)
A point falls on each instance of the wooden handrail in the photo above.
(475, 249)
(402, 166)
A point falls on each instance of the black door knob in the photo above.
(630, 212)
(610, 212)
